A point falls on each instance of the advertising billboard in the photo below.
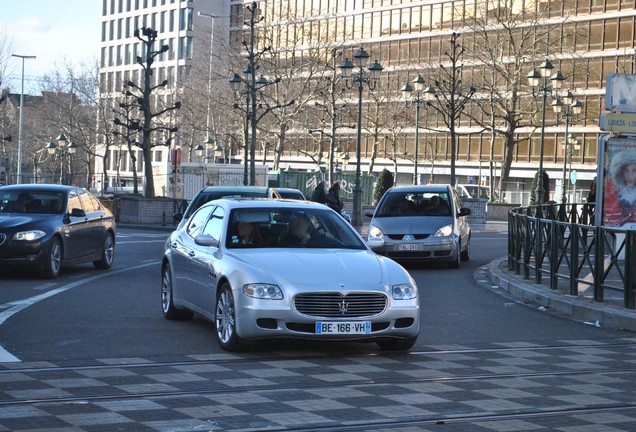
(619, 194)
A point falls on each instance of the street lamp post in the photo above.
(21, 121)
(209, 108)
(62, 151)
(572, 108)
(540, 80)
(360, 59)
(428, 94)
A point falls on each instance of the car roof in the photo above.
(235, 188)
(240, 202)
(421, 188)
(39, 187)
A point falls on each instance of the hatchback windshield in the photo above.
(287, 227)
(415, 204)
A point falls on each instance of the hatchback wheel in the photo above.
(456, 263)
(225, 320)
(53, 262)
(170, 312)
(108, 253)
(466, 252)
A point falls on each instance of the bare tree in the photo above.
(144, 100)
(507, 37)
(451, 95)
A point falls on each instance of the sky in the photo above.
(55, 31)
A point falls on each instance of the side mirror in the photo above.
(369, 213)
(178, 217)
(206, 240)
(78, 212)
(464, 211)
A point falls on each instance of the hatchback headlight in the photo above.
(376, 232)
(263, 291)
(29, 235)
(444, 231)
(403, 292)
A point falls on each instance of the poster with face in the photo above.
(619, 196)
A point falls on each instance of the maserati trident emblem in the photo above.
(2, 238)
(342, 307)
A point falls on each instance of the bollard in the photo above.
(630, 280)
(163, 218)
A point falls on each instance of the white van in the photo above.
(473, 191)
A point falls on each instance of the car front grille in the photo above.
(415, 236)
(336, 305)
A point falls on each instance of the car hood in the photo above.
(348, 268)
(13, 220)
(412, 224)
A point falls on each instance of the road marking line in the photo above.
(19, 305)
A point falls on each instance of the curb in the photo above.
(575, 308)
(147, 227)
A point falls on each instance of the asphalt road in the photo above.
(91, 351)
(89, 314)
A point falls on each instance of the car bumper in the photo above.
(257, 319)
(429, 250)
(19, 253)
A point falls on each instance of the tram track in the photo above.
(269, 358)
(394, 378)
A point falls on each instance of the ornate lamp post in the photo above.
(572, 108)
(62, 151)
(422, 96)
(540, 80)
(361, 77)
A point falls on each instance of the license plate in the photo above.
(343, 327)
(408, 247)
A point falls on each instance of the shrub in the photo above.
(383, 183)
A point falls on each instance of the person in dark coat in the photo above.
(333, 197)
(319, 194)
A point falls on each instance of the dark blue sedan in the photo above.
(48, 226)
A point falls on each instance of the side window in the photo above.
(87, 203)
(73, 201)
(214, 226)
(197, 221)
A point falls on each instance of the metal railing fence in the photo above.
(560, 243)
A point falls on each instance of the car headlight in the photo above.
(29, 235)
(374, 231)
(444, 231)
(263, 291)
(403, 292)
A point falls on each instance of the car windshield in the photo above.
(415, 204)
(31, 202)
(290, 228)
(205, 197)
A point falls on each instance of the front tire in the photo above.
(456, 263)
(396, 344)
(53, 261)
(225, 320)
(108, 253)
(466, 252)
(170, 312)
